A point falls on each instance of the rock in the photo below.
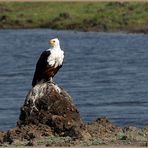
(30, 143)
(48, 110)
(49, 105)
(26, 133)
(102, 128)
(1, 136)
(85, 135)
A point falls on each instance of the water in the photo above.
(106, 73)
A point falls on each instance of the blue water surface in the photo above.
(105, 73)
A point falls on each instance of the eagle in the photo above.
(50, 61)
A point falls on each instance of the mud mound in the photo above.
(47, 110)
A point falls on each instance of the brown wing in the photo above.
(41, 67)
(43, 70)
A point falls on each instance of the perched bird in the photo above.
(49, 63)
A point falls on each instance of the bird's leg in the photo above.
(51, 80)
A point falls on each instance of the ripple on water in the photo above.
(106, 73)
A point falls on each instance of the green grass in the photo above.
(87, 16)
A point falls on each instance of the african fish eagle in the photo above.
(49, 63)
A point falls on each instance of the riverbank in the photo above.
(96, 16)
(100, 133)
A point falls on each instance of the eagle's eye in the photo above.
(53, 41)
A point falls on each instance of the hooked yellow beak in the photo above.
(52, 42)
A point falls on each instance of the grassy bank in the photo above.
(95, 16)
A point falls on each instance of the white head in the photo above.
(55, 42)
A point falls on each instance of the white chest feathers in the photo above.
(55, 58)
